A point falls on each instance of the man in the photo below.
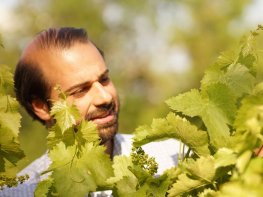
(66, 57)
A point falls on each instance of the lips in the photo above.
(104, 119)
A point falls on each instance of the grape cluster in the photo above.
(12, 181)
(143, 160)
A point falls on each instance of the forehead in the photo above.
(68, 67)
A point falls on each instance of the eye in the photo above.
(80, 91)
(104, 80)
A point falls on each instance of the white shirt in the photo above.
(166, 154)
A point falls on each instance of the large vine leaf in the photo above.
(76, 179)
(97, 162)
(173, 126)
(214, 105)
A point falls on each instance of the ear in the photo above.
(41, 109)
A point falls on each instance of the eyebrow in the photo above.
(86, 82)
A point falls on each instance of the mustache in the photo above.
(102, 111)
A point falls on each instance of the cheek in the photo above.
(83, 105)
(112, 90)
(115, 97)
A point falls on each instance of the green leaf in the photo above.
(225, 59)
(143, 185)
(80, 134)
(9, 148)
(55, 136)
(173, 126)
(6, 78)
(87, 132)
(97, 162)
(10, 121)
(43, 188)
(185, 185)
(240, 189)
(71, 178)
(126, 187)
(225, 157)
(203, 168)
(214, 105)
(250, 114)
(153, 187)
(207, 193)
(8, 104)
(237, 78)
(158, 187)
(66, 115)
(190, 103)
(199, 173)
(243, 161)
(120, 167)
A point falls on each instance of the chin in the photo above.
(108, 133)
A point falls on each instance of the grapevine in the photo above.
(10, 152)
(220, 161)
(229, 105)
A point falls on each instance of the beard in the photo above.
(106, 130)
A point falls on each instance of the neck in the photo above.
(109, 144)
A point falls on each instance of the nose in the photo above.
(100, 94)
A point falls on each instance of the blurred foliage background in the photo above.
(154, 48)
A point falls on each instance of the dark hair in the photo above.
(29, 80)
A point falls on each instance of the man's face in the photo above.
(82, 74)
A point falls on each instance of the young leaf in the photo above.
(66, 115)
(237, 78)
(249, 113)
(87, 132)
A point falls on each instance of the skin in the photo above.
(81, 72)
(259, 151)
